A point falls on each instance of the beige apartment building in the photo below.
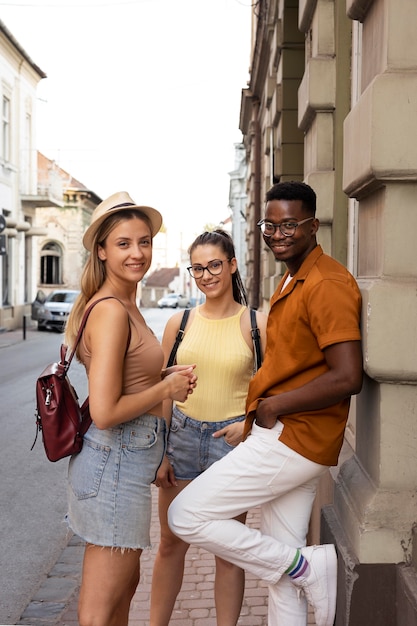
(332, 100)
(43, 210)
(19, 77)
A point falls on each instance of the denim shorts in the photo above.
(191, 448)
(109, 483)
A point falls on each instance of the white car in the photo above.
(52, 311)
(173, 301)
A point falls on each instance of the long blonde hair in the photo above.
(94, 272)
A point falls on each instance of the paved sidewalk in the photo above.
(55, 604)
(56, 601)
(10, 337)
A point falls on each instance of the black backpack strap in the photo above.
(256, 338)
(178, 338)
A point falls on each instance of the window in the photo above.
(5, 278)
(6, 129)
(6, 267)
(51, 264)
(28, 263)
(26, 157)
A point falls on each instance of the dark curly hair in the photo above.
(294, 190)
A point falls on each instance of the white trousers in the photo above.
(263, 472)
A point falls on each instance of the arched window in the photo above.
(51, 264)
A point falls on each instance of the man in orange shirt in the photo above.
(297, 409)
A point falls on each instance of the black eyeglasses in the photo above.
(214, 268)
(285, 228)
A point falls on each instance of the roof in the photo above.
(162, 277)
(68, 181)
(19, 48)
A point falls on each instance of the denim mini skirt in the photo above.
(109, 483)
(191, 446)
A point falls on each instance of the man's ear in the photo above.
(315, 225)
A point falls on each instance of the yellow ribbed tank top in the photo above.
(224, 367)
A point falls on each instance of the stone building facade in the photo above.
(332, 100)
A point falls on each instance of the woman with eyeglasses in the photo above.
(209, 423)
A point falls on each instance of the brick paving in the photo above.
(55, 604)
(195, 603)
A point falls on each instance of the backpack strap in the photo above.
(256, 338)
(67, 362)
(254, 331)
(178, 338)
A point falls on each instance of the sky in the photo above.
(141, 96)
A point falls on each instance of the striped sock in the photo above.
(299, 566)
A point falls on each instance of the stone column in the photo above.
(375, 502)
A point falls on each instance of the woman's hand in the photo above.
(181, 382)
(233, 433)
(181, 368)
(174, 368)
(165, 476)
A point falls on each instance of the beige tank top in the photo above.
(143, 362)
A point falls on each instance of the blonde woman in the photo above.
(109, 499)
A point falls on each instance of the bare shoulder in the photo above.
(174, 321)
(108, 317)
(246, 323)
(109, 307)
(261, 319)
(107, 327)
(246, 326)
(173, 325)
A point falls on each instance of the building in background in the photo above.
(19, 77)
(44, 211)
(60, 254)
(332, 100)
(237, 206)
(159, 283)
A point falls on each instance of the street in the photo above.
(32, 489)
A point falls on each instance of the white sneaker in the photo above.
(320, 586)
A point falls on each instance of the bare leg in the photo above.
(229, 588)
(109, 581)
(169, 562)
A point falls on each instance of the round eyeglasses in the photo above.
(285, 228)
(213, 267)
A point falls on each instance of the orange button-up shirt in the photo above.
(319, 307)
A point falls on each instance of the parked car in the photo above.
(173, 301)
(52, 311)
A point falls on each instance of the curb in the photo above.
(57, 590)
(12, 337)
